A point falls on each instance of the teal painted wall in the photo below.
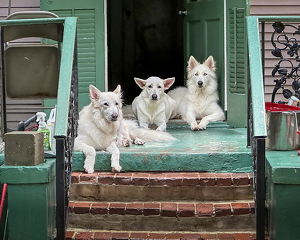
(31, 200)
(283, 195)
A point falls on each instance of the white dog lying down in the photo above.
(153, 105)
(101, 127)
(200, 99)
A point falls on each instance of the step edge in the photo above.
(164, 179)
(72, 233)
(163, 209)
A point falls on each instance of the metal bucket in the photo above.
(282, 127)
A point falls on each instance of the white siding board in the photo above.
(20, 110)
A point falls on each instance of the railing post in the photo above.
(60, 187)
(3, 97)
(260, 207)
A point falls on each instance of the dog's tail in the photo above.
(147, 134)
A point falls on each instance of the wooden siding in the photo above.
(19, 110)
(273, 8)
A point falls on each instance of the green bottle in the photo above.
(44, 129)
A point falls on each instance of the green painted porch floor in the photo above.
(219, 148)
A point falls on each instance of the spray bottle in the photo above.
(51, 124)
(40, 118)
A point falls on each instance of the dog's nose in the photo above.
(114, 116)
(200, 84)
(154, 96)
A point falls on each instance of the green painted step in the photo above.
(220, 148)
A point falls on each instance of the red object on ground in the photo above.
(2, 199)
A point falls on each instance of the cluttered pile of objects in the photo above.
(46, 127)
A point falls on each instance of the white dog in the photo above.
(101, 127)
(153, 105)
(200, 99)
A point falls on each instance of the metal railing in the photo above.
(66, 123)
(257, 124)
(257, 130)
(66, 113)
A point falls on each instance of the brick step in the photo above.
(163, 216)
(83, 234)
(181, 186)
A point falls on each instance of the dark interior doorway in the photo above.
(145, 38)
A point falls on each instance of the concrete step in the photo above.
(182, 186)
(220, 148)
(163, 216)
(80, 234)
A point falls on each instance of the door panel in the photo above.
(90, 41)
(204, 35)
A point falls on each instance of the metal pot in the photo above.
(282, 127)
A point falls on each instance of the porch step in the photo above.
(80, 234)
(218, 149)
(181, 202)
(141, 186)
(163, 216)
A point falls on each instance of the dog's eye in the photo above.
(204, 74)
(196, 74)
(106, 104)
(117, 103)
(150, 86)
(159, 87)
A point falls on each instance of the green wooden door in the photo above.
(236, 51)
(90, 41)
(204, 35)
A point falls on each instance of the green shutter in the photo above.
(90, 41)
(236, 55)
(85, 45)
(86, 49)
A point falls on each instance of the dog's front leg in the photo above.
(115, 157)
(90, 155)
(190, 118)
(162, 126)
(218, 116)
(143, 125)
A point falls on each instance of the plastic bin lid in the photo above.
(276, 107)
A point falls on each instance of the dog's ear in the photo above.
(210, 63)
(140, 82)
(119, 93)
(118, 90)
(168, 82)
(192, 63)
(94, 93)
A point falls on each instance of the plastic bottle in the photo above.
(293, 101)
(40, 118)
(51, 125)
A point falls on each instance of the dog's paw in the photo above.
(139, 141)
(161, 128)
(126, 143)
(116, 168)
(202, 125)
(88, 169)
(194, 126)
